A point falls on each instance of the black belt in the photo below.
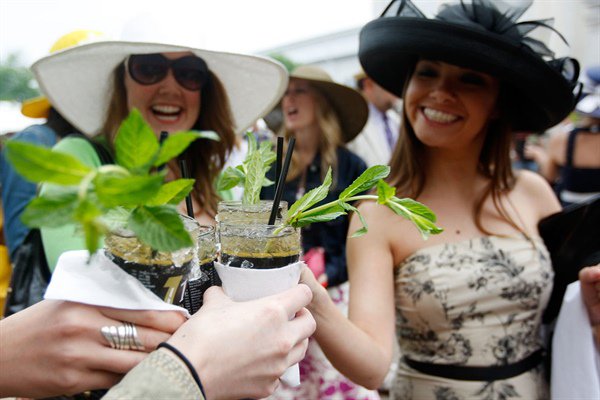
(491, 373)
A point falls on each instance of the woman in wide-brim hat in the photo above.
(321, 115)
(466, 305)
(175, 88)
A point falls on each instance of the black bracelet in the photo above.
(186, 362)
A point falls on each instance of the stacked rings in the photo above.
(123, 337)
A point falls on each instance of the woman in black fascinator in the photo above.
(465, 305)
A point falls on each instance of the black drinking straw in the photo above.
(279, 159)
(281, 181)
(188, 199)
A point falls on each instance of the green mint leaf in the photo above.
(252, 142)
(93, 233)
(172, 193)
(309, 199)
(267, 154)
(419, 214)
(267, 182)
(361, 231)
(160, 228)
(255, 173)
(385, 192)
(52, 212)
(231, 178)
(417, 208)
(117, 190)
(324, 213)
(135, 143)
(86, 214)
(40, 164)
(176, 143)
(254, 169)
(116, 218)
(304, 221)
(366, 181)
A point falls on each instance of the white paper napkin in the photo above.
(575, 358)
(101, 283)
(243, 284)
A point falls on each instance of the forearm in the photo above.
(351, 350)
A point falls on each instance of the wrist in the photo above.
(191, 367)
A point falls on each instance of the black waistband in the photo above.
(491, 373)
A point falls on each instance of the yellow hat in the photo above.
(38, 107)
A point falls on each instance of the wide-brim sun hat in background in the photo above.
(350, 105)
(78, 81)
(38, 107)
(474, 34)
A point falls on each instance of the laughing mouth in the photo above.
(166, 112)
(439, 116)
(291, 111)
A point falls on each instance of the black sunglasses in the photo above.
(190, 72)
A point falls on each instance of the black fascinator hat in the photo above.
(480, 34)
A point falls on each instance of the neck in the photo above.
(448, 170)
(307, 143)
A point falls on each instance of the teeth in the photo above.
(439, 116)
(166, 109)
(170, 118)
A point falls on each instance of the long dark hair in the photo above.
(408, 161)
(205, 158)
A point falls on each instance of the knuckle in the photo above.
(274, 312)
(67, 380)
(283, 347)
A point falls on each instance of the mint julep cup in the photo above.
(203, 275)
(163, 273)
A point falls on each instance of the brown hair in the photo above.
(205, 158)
(408, 162)
(330, 139)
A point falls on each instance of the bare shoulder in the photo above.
(374, 214)
(534, 193)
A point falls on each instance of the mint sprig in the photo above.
(301, 213)
(130, 194)
(251, 173)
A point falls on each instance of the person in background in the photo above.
(571, 159)
(55, 347)
(16, 191)
(466, 305)
(321, 115)
(519, 159)
(377, 140)
(175, 88)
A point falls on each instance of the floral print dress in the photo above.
(477, 302)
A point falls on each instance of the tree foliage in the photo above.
(287, 62)
(16, 81)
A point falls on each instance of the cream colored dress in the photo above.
(477, 302)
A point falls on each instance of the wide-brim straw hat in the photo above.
(39, 107)
(477, 35)
(349, 105)
(78, 81)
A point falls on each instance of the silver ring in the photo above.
(122, 337)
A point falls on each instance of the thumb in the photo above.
(215, 295)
